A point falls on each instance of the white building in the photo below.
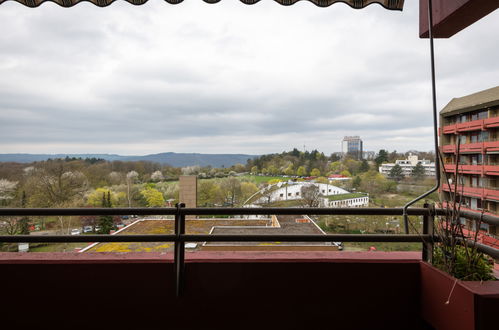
(358, 201)
(408, 165)
(292, 191)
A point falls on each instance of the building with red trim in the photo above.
(469, 144)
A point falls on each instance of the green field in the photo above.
(263, 179)
(345, 196)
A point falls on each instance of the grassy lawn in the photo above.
(56, 247)
(290, 203)
(381, 246)
(345, 196)
(262, 179)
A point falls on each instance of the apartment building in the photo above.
(408, 166)
(469, 145)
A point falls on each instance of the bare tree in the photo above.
(131, 177)
(310, 195)
(157, 176)
(54, 185)
(7, 190)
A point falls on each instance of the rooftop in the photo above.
(287, 225)
(150, 227)
(475, 101)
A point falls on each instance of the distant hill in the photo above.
(169, 158)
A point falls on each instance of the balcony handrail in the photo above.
(427, 238)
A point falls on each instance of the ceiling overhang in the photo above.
(450, 17)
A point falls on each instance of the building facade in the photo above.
(330, 195)
(469, 143)
(408, 166)
(352, 146)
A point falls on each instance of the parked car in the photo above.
(87, 229)
(97, 228)
(75, 232)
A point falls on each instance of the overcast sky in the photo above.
(227, 78)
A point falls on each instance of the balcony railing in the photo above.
(473, 125)
(427, 237)
(491, 145)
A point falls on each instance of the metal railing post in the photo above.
(179, 253)
(428, 229)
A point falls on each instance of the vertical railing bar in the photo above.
(179, 252)
(428, 228)
(425, 231)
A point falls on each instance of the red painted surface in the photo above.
(465, 169)
(450, 129)
(491, 122)
(466, 191)
(476, 147)
(491, 169)
(482, 237)
(474, 125)
(491, 146)
(368, 290)
(450, 17)
(449, 149)
(448, 304)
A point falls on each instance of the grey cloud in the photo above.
(153, 80)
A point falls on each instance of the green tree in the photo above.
(396, 173)
(364, 166)
(24, 221)
(346, 173)
(301, 171)
(95, 197)
(336, 167)
(418, 172)
(153, 197)
(356, 182)
(105, 222)
(289, 170)
(381, 158)
(315, 172)
(254, 170)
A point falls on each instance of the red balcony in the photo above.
(491, 146)
(466, 191)
(491, 122)
(474, 125)
(450, 129)
(491, 194)
(491, 169)
(448, 149)
(464, 169)
(475, 148)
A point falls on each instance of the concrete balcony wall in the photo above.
(314, 290)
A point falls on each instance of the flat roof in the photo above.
(167, 227)
(288, 225)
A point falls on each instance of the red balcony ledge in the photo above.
(226, 290)
(465, 169)
(471, 148)
(474, 125)
(472, 169)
